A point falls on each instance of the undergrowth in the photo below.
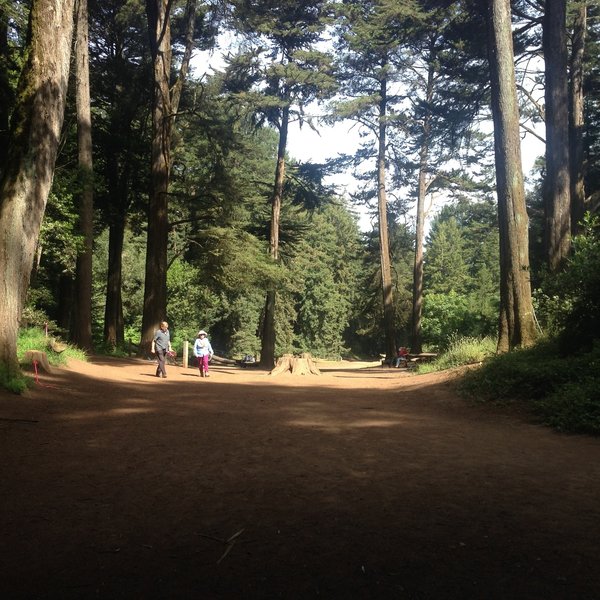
(461, 351)
(36, 339)
(563, 390)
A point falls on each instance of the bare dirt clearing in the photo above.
(359, 483)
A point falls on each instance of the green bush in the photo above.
(461, 351)
(562, 390)
(574, 407)
(446, 316)
(16, 384)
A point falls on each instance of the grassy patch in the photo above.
(16, 384)
(58, 354)
(461, 351)
(35, 339)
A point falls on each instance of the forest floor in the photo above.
(360, 483)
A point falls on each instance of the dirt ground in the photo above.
(359, 483)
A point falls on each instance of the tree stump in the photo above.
(296, 365)
(35, 356)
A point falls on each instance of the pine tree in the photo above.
(292, 73)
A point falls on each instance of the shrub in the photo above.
(562, 390)
(573, 407)
(462, 351)
(16, 384)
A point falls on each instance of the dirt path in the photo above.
(360, 484)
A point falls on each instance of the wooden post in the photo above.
(185, 354)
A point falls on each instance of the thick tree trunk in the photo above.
(417, 308)
(267, 353)
(165, 106)
(113, 310)
(29, 168)
(5, 88)
(384, 245)
(576, 123)
(82, 330)
(557, 184)
(516, 322)
(155, 288)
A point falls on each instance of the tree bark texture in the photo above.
(165, 106)
(516, 322)
(576, 122)
(296, 365)
(384, 244)
(5, 89)
(155, 286)
(417, 307)
(557, 185)
(82, 331)
(29, 169)
(114, 329)
(267, 353)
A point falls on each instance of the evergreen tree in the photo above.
(447, 264)
(289, 73)
(372, 57)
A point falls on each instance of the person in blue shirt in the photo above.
(203, 352)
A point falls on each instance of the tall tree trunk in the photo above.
(113, 310)
(516, 322)
(267, 353)
(82, 330)
(5, 87)
(29, 169)
(576, 118)
(417, 307)
(557, 184)
(155, 290)
(384, 245)
(165, 105)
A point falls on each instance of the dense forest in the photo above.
(139, 185)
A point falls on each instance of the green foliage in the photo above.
(447, 267)
(568, 303)
(33, 338)
(522, 374)
(325, 271)
(562, 390)
(451, 314)
(575, 406)
(582, 281)
(461, 351)
(461, 273)
(16, 384)
(190, 305)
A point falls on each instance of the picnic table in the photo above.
(422, 357)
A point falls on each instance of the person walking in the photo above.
(161, 344)
(203, 352)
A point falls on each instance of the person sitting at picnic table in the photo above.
(401, 357)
